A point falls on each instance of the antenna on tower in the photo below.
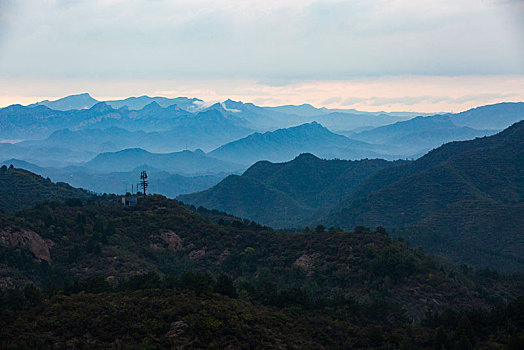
(143, 181)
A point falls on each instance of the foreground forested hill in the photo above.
(153, 313)
(56, 242)
(21, 189)
(90, 273)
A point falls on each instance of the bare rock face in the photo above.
(197, 254)
(27, 239)
(172, 239)
(306, 262)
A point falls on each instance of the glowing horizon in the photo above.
(424, 94)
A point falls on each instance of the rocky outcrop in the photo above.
(197, 254)
(172, 239)
(27, 239)
(306, 262)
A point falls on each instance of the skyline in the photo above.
(406, 94)
(367, 55)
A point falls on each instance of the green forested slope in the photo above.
(68, 242)
(21, 189)
(470, 192)
(289, 194)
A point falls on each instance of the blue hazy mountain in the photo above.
(305, 110)
(209, 129)
(493, 117)
(184, 163)
(286, 144)
(137, 103)
(255, 117)
(419, 135)
(85, 101)
(44, 155)
(158, 129)
(311, 111)
(425, 133)
(289, 194)
(80, 101)
(19, 122)
(272, 118)
(161, 182)
(206, 130)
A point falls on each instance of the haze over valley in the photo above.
(78, 139)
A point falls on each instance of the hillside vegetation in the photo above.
(91, 274)
(22, 189)
(150, 312)
(463, 200)
(467, 197)
(290, 194)
(69, 241)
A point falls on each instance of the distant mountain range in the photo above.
(19, 122)
(271, 118)
(80, 101)
(85, 101)
(184, 162)
(207, 129)
(463, 200)
(421, 134)
(309, 110)
(230, 131)
(286, 144)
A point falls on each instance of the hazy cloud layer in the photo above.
(266, 40)
(251, 49)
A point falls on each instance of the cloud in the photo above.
(331, 100)
(280, 41)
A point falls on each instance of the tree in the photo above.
(32, 294)
(381, 231)
(440, 339)
(464, 333)
(224, 286)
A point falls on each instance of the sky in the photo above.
(426, 56)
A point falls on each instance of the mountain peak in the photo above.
(101, 107)
(153, 106)
(77, 101)
(305, 157)
(84, 94)
(313, 126)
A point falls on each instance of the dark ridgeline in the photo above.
(290, 194)
(462, 200)
(22, 189)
